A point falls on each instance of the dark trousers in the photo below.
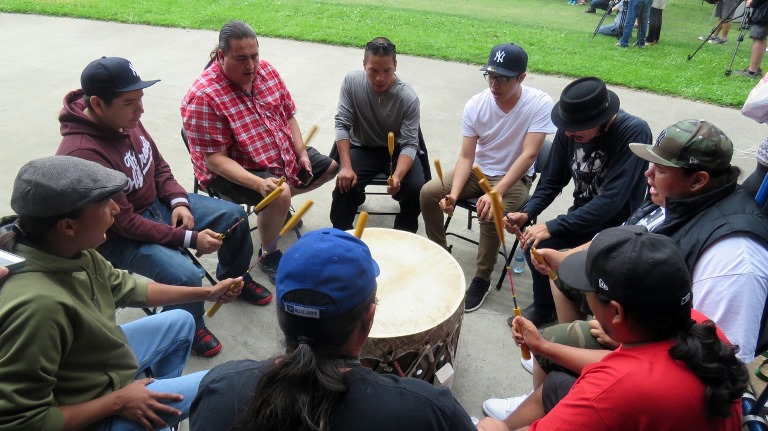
(367, 162)
(654, 26)
(542, 293)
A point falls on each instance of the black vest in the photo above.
(697, 222)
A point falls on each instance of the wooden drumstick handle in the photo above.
(525, 352)
(439, 170)
(362, 220)
(480, 175)
(296, 217)
(484, 185)
(221, 238)
(215, 307)
(498, 214)
(310, 133)
(270, 197)
(535, 253)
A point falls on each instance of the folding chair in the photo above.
(471, 206)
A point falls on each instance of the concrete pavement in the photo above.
(41, 59)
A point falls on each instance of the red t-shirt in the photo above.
(638, 388)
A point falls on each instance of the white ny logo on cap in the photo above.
(499, 58)
(602, 284)
(135, 73)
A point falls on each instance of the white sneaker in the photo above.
(500, 408)
(528, 365)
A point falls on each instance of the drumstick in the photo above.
(362, 220)
(484, 185)
(215, 307)
(271, 196)
(498, 210)
(310, 133)
(535, 253)
(525, 352)
(480, 175)
(391, 147)
(293, 221)
(442, 184)
(264, 202)
(288, 226)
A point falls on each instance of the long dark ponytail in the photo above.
(698, 346)
(715, 363)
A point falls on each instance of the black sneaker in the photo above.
(268, 264)
(476, 293)
(255, 293)
(751, 74)
(205, 344)
(537, 317)
(590, 10)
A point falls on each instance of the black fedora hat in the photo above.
(585, 103)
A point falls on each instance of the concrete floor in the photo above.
(38, 67)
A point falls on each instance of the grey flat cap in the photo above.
(58, 185)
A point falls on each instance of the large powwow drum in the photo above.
(420, 305)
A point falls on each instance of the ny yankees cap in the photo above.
(693, 144)
(640, 270)
(507, 59)
(109, 75)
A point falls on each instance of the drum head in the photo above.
(420, 286)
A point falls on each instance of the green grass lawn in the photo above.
(555, 35)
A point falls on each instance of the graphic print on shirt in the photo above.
(138, 165)
(589, 172)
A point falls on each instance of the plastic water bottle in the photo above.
(519, 264)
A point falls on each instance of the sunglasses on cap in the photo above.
(385, 47)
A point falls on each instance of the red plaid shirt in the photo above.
(219, 115)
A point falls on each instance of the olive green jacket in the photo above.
(59, 343)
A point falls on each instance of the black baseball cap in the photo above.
(506, 59)
(638, 269)
(109, 75)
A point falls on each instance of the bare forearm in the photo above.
(225, 167)
(404, 164)
(342, 146)
(298, 140)
(164, 294)
(77, 416)
(572, 358)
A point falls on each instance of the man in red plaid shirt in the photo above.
(243, 136)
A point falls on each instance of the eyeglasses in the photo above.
(385, 47)
(498, 78)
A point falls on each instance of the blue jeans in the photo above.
(162, 342)
(170, 265)
(640, 10)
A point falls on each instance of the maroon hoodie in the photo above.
(134, 153)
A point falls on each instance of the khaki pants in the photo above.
(487, 252)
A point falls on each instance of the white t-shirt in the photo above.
(730, 286)
(500, 136)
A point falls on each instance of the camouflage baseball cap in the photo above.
(693, 144)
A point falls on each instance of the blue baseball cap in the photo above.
(329, 261)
